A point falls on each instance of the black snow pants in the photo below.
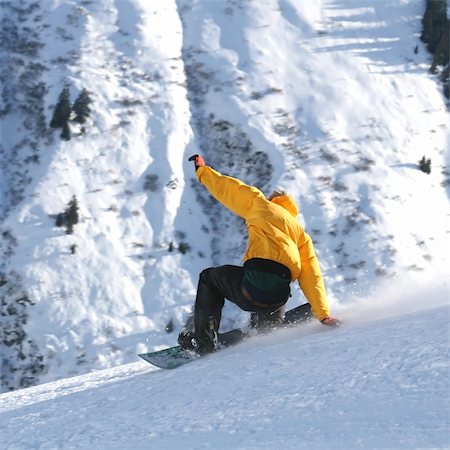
(216, 284)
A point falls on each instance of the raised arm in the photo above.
(231, 192)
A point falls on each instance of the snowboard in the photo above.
(173, 357)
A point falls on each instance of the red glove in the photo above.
(331, 322)
(198, 161)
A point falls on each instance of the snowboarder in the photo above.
(279, 251)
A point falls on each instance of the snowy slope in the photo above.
(370, 384)
(325, 98)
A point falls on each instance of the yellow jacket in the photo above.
(274, 232)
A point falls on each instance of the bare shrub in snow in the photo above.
(151, 183)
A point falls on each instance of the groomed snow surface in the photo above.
(380, 383)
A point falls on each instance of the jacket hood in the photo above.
(287, 202)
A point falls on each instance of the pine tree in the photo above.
(434, 24)
(81, 107)
(62, 110)
(435, 35)
(72, 214)
(69, 217)
(425, 165)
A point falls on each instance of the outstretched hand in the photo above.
(331, 322)
(198, 161)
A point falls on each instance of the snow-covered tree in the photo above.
(81, 107)
(62, 110)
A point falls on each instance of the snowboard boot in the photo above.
(186, 340)
(266, 322)
(209, 342)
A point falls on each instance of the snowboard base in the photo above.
(170, 358)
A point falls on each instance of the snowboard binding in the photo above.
(208, 344)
